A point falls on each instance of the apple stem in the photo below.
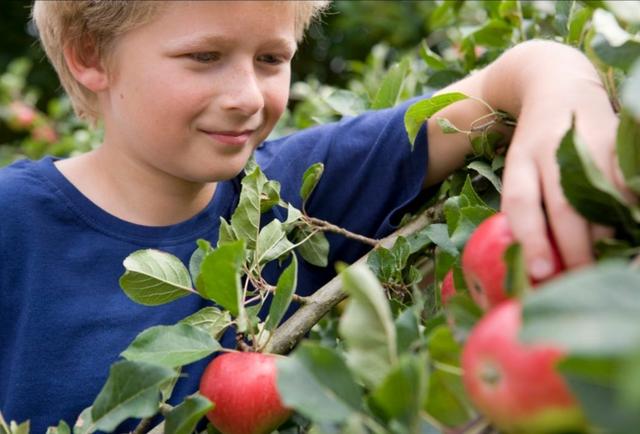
(242, 345)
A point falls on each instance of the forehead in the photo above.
(199, 20)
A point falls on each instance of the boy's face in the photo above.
(193, 92)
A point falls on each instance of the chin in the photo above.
(215, 174)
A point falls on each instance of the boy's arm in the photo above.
(543, 84)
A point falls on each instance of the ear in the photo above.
(86, 67)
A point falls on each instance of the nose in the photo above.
(242, 91)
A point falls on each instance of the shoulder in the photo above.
(352, 136)
(21, 185)
(17, 178)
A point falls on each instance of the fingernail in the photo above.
(540, 268)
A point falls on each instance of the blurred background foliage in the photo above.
(340, 69)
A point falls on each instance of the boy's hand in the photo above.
(543, 84)
(531, 177)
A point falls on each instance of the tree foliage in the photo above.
(389, 362)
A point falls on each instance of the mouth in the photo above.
(233, 138)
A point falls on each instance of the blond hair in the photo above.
(98, 23)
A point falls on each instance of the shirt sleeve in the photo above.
(371, 178)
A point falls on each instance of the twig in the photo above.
(324, 299)
(142, 426)
(328, 227)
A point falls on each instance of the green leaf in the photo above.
(407, 329)
(310, 179)
(442, 78)
(272, 243)
(612, 44)
(402, 392)
(346, 103)
(62, 428)
(293, 217)
(446, 126)
(470, 194)
(628, 151)
(245, 220)
(625, 11)
(204, 247)
(631, 90)
(628, 379)
(226, 234)
(621, 57)
(592, 312)
(400, 252)
(469, 217)
(315, 250)
(561, 17)
(270, 196)
(465, 313)
(382, 263)
(153, 277)
(220, 273)
(516, 280)
(132, 390)
(210, 319)
(433, 60)
(577, 24)
(420, 111)
(367, 326)
(587, 189)
(485, 170)
(285, 288)
(446, 399)
(495, 33)
(592, 382)
(390, 89)
(439, 234)
(605, 23)
(15, 428)
(171, 346)
(486, 143)
(84, 424)
(183, 418)
(316, 382)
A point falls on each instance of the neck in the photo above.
(133, 191)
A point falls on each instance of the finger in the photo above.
(570, 231)
(521, 202)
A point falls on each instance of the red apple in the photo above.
(22, 115)
(483, 263)
(243, 388)
(515, 385)
(448, 289)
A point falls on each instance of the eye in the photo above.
(205, 56)
(273, 59)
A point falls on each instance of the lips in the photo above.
(234, 138)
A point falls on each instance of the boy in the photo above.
(186, 92)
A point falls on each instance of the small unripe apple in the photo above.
(515, 385)
(448, 289)
(243, 388)
(483, 262)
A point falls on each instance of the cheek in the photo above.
(173, 92)
(277, 96)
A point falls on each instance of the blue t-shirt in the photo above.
(63, 317)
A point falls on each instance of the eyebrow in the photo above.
(223, 41)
